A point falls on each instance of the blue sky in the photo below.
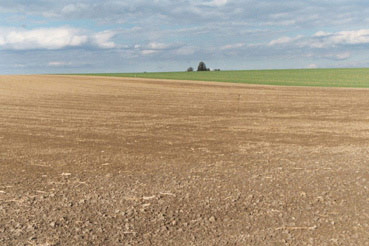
(43, 36)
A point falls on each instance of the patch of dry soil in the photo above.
(120, 161)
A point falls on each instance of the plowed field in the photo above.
(124, 161)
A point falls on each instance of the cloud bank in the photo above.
(165, 35)
(53, 39)
(326, 39)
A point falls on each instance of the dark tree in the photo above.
(190, 69)
(202, 67)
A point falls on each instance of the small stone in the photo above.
(161, 216)
(319, 199)
(174, 222)
(212, 219)
(30, 227)
(334, 240)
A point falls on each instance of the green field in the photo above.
(348, 77)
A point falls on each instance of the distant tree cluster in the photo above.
(200, 68)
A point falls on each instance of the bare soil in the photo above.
(122, 161)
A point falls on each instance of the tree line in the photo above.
(201, 67)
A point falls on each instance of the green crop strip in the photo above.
(347, 77)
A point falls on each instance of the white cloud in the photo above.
(44, 38)
(351, 37)
(320, 34)
(326, 40)
(58, 64)
(158, 46)
(103, 39)
(217, 3)
(71, 8)
(283, 40)
(232, 46)
(148, 52)
(53, 38)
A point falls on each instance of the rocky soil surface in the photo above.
(118, 161)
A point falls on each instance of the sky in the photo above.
(89, 36)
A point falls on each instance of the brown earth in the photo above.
(118, 161)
